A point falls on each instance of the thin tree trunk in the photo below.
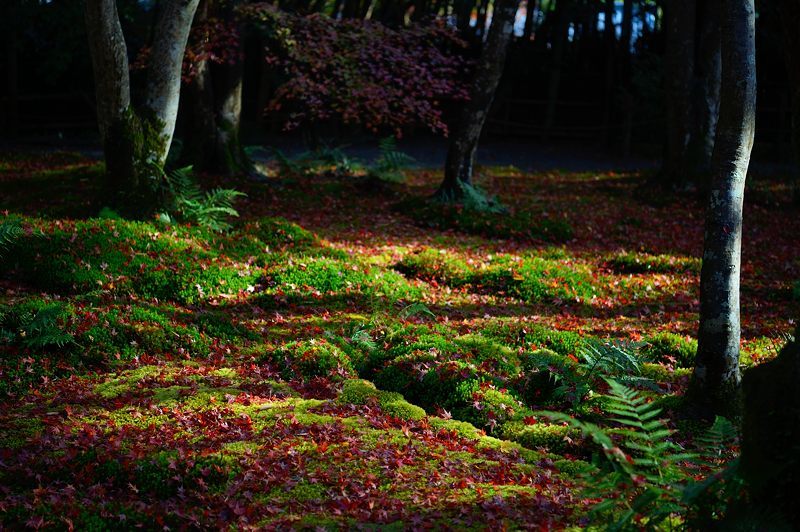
(716, 378)
(679, 67)
(560, 29)
(530, 16)
(464, 142)
(11, 119)
(706, 91)
(626, 29)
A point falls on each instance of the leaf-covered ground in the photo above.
(343, 356)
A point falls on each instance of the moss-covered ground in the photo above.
(340, 358)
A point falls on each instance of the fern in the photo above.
(391, 162)
(644, 462)
(416, 309)
(10, 231)
(618, 359)
(362, 340)
(44, 328)
(650, 476)
(209, 209)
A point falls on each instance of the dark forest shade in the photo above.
(716, 379)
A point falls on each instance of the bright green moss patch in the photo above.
(529, 279)
(311, 358)
(627, 262)
(126, 382)
(671, 348)
(324, 275)
(361, 392)
(129, 257)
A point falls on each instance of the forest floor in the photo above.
(345, 357)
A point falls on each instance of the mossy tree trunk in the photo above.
(136, 141)
(213, 109)
(716, 378)
(464, 142)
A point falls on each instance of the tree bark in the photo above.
(789, 13)
(679, 67)
(708, 69)
(464, 142)
(136, 142)
(164, 73)
(112, 93)
(716, 378)
(560, 29)
(213, 110)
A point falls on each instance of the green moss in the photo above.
(627, 262)
(539, 435)
(530, 279)
(311, 358)
(395, 405)
(324, 275)
(659, 373)
(671, 348)
(127, 257)
(125, 382)
(462, 428)
(17, 432)
(361, 392)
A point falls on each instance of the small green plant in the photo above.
(389, 166)
(10, 231)
(618, 359)
(210, 209)
(37, 325)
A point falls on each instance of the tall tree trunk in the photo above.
(708, 69)
(626, 30)
(716, 378)
(136, 141)
(112, 94)
(164, 73)
(213, 109)
(679, 67)
(530, 17)
(464, 142)
(789, 13)
(560, 29)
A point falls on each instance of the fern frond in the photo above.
(10, 231)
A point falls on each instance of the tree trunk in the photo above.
(679, 67)
(789, 13)
(716, 379)
(213, 110)
(164, 74)
(136, 142)
(560, 30)
(112, 94)
(464, 142)
(530, 16)
(708, 69)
